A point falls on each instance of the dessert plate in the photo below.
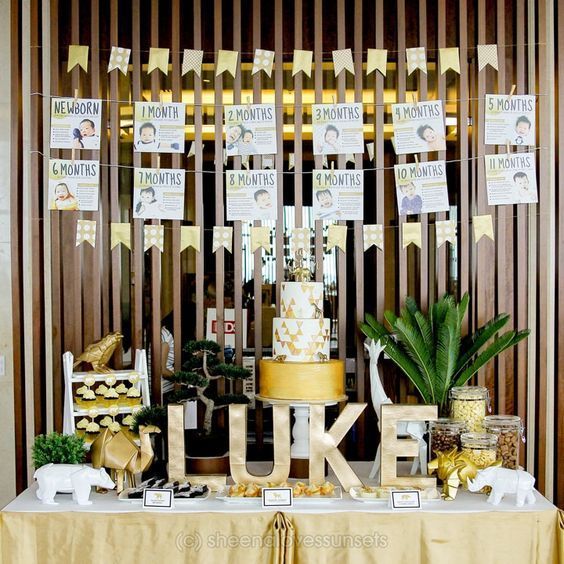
(223, 495)
(355, 493)
(123, 497)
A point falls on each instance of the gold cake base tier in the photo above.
(302, 380)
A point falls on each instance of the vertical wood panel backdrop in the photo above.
(66, 296)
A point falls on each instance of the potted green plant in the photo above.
(198, 379)
(430, 350)
(56, 448)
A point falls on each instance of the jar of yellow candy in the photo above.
(469, 404)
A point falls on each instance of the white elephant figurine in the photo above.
(505, 481)
(67, 478)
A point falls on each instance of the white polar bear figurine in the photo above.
(505, 481)
(66, 478)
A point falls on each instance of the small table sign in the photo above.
(277, 497)
(155, 498)
(405, 499)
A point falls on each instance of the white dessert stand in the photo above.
(300, 428)
(414, 429)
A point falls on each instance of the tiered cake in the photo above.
(300, 368)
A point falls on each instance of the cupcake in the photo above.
(111, 397)
(106, 420)
(133, 396)
(100, 392)
(121, 389)
(92, 430)
(81, 427)
(88, 399)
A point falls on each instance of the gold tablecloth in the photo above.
(515, 537)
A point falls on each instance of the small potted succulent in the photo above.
(208, 447)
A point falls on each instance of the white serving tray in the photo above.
(223, 495)
(355, 494)
(123, 497)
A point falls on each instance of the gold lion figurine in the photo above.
(99, 353)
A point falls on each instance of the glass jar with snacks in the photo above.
(509, 431)
(480, 448)
(469, 404)
(444, 434)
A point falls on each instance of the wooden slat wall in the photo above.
(65, 297)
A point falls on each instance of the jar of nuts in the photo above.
(444, 434)
(481, 448)
(509, 430)
(469, 404)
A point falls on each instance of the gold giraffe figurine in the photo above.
(98, 354)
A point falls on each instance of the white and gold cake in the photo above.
(300, 368)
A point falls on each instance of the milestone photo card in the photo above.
(251, 194)
(158, 193)
(419, 128)
(338, 194)
(159, 128)
(337, 129)
(75, 123)
(73, 185)
(250, 129)
(421, 188)
(510, 119)
(511, 179)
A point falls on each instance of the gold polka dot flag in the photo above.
(260, 237)
(301, 239)
(373, 235)
(302, 62)
(291, 161)
(119, 59)
(78, 55)
(226, 61)
(153, 236)
(222, 237)
(376, 60)
(445, 231)
(342, 60)
(416, 59)
(411, 233)
(158, 59)
(85, 232)
(263, 61)
(268, 161)
(192, 61)
(483, 227)
(487, 55)
(120, 233)
(370, 149)
(337, 237)
(449, 58)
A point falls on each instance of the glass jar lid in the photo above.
(447, 424)
(478, 440)
(469, 393)
(502, 421)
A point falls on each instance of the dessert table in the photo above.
(466, 530)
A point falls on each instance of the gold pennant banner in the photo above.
(226, 61)
(158, 59)
(263, 61)
(78, 55)
(416, 59)
(260, 237)
(377, 59)
(120, 233)
(222, 237)
(153, 236)
(445, 231)
(190, 236)
(302, 62)
(85, 232)
(449, 58)
(291, 161)
(483, 227)
(373, 235)
(343, 60)
(119, 59)
(411, 233)
(370, 150)
(192, 149)
(337, 237)
(487, 55)
(192, 61)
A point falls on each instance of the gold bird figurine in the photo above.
(99, 353)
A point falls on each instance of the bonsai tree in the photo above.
(56, 448)
(430, 349)
(201, 368)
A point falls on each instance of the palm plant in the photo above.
(430, 349)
